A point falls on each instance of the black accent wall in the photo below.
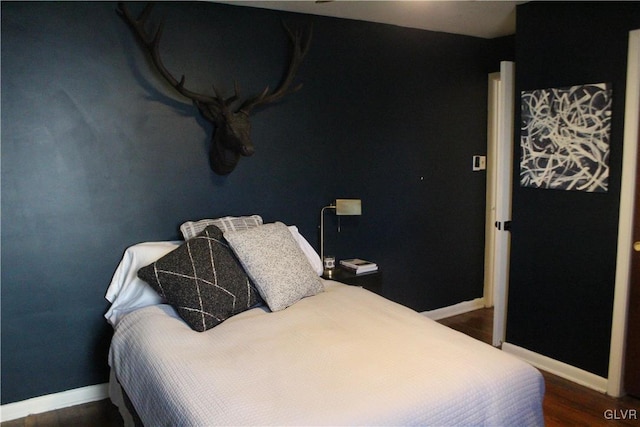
(564, 242)
(98, 154)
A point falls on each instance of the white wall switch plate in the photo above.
(479, 163)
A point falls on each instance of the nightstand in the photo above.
(371, 281)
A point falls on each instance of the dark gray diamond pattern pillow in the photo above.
(203, 280)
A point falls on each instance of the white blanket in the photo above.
(343, 357)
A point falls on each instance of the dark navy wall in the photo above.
(564, 242)
(98, 154)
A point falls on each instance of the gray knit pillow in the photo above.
(275, 263)
(203, 280)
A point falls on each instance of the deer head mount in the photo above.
(232, 134)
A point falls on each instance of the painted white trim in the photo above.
(558, 368)
(615, 386)
(51, 402)
(454, 310)
(493, 94)
(503, 199)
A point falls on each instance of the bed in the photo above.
(340, 355)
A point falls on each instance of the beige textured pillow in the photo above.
(275, 263)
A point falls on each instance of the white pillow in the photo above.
(275, 263)
(127, 292)
(307, 249)
(191, 229)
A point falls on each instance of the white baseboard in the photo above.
(454, 310)
(558, 368)
(51, 402)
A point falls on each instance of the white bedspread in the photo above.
(343, 357)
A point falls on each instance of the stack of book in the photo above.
(359, 266)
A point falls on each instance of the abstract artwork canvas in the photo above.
(565, 137)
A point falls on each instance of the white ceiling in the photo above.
(479, 18)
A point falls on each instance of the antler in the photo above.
(152, 45)
(284, 88)
(217, 102)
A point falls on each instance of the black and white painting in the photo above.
(565, 138)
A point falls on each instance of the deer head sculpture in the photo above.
(232, 134)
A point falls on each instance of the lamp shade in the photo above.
(348, 207)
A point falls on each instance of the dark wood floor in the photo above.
(565, 403)
(95, 414)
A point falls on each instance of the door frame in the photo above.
(490, 210)
(500, 128)
(615, 381)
